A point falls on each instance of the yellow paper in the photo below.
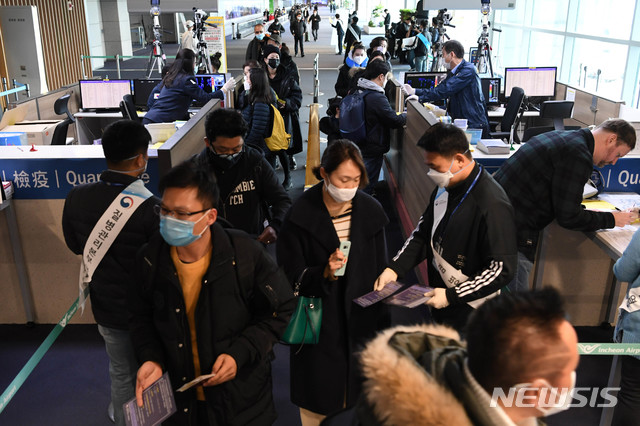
(598, 205)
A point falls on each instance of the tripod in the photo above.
(443, 19)
(483, 57)
(156, 56)
(203, 61)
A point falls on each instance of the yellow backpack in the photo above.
(279, 138)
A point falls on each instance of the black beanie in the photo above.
(269, 49)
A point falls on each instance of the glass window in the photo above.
(550, 14)
(515, 16)
(545, 49)
(510, 49)
(602, 60)
(605, 19)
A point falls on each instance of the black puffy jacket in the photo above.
(243, 308)
(83, 207)
(285, 86)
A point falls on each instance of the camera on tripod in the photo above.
(199, 18)
(444, 18)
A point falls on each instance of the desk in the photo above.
(18, 257)
(499, 113)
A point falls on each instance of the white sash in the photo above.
(450, 275)
(106, 230)
(631, 302)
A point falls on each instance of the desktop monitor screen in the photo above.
(103, 94)
(424, 80)
(491, 90)
(535, 81)
(142, 88)
(211, 82)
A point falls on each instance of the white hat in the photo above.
(189, 23)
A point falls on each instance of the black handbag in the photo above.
(305, 323)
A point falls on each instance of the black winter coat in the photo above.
(254, 50)
(276, 28)
(349, 38)
(243, 308)
(315, 22)
(247, 190)
(298, 28)
(321, 373)
(289, 91)
(380, 118)
(83, 207)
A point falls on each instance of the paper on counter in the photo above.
(376, 296)
(411, 297)
(621, 200)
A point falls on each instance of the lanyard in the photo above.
(464, 197)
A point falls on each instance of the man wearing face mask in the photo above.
(466, 234)
(208, 301)
(254, 49)
(298, 27)
(519, 344)
(461, 87)
(248, 184)
(125, 145)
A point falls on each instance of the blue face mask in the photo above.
(260, 36)
(179, 233)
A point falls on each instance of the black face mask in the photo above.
(225, 161)
(273, 63)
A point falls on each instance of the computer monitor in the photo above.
(142, 88)
(424, 80)
(103, 94)
(210, 83)
(473, 55)
(535, 81)
(491, 90)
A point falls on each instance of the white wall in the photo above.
(94, 31)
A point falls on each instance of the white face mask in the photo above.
(442, 179)
(247, 85)
(381, 49)
(556, 400)
(358, 59)
(340, 195)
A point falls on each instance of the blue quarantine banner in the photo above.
(54, 178)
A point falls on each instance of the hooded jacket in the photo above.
(380, 118)
(247, 190)
(346, 73)
(418, 375)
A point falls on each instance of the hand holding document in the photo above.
(195, 381)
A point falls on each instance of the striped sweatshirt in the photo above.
(479, 239)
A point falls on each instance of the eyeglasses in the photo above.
(160, 210)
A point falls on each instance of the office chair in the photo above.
(128, 109)
(61, 107)
(557, 111)
(511, 114)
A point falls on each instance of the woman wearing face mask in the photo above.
(325, 376)
(288, 99)
(179, 88)
(380, 44)
(355, 60)
(259, 115)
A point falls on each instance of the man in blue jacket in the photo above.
(461, 87)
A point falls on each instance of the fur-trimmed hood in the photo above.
(399, 390)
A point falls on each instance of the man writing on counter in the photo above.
(545, 180)
(467, 232)
(461, 87)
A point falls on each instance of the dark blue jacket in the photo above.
(380, 118)
(258, 116)
(173, 103)
(465, 96)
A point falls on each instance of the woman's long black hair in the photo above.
(184, 63)
(260, 88)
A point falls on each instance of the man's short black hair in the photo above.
(124, 139)
(454, 46)
(375, 68)
(445, 139)
(509, 333)
(224, 122)
(193, 173)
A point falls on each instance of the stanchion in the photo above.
(118, 65)
(313, 146)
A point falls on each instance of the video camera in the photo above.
(444, 18)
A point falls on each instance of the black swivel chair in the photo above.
(128, 109)
(552, 110)
(61, 107)
(511, 113)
